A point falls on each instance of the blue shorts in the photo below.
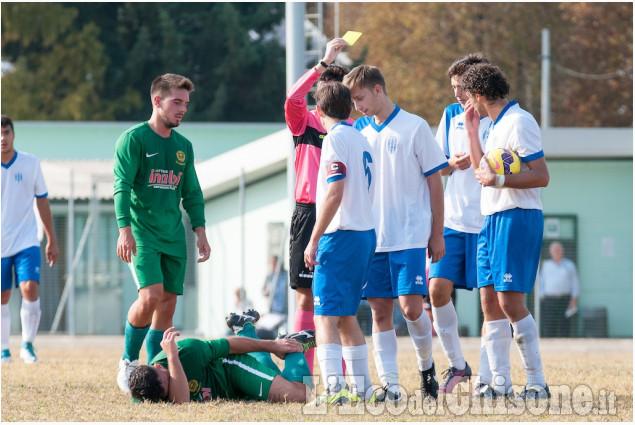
(26, 264)
(509, 250)
(459, 262)
(397, 273)
(344, 258)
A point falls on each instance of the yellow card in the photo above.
(351, 37)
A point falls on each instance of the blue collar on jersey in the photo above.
(12, 160)
(378, 128)
(341, 123)
(505, 109)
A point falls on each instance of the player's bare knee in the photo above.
(29, 289)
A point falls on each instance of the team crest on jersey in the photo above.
(195, 386)
(180, 157)
(391, 144)
(18, 177)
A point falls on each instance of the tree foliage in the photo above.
(95, 61)
(113, 51)
(415, 43)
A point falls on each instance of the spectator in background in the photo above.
(275, 287)
(559, 289)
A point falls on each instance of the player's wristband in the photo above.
(500, 180)
(324, 64)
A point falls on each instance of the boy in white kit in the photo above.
(463, 221)
(510, 242)
(408, 211)
(22, 182)
(341, 247)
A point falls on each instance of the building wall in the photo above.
(265, 202)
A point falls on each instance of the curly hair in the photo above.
(145, 385)
(333, 73)
(487, 80)
(461, 65)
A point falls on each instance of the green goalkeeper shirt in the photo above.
(152, 175)
(203, 366)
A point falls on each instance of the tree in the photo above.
(414, 44)
(58, 68)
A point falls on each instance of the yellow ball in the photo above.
(503, 161)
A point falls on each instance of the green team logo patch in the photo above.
(180, 157)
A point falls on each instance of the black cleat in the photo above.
(429, 383)
(306, 338)
(236, 322)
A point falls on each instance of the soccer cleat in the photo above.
(429, 383)
(27, 353)
(480, 386)
(387, 393)
(535, 392)
(452, 377)
(6, 356)
(123, 373)
(236, 322)
(486, 391)
(305, 337)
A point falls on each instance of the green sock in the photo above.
(153, 343)
(296, 368)
(134, 340)
(249, 331)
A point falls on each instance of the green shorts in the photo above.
(248, 378)
(150, 267)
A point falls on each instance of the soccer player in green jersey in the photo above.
(154, 173)
(233, 368)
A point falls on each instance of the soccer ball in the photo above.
(502, 161)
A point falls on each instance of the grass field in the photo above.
(590, 379)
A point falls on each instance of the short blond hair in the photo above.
(365, 76)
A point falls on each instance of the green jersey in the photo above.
(152, 175)
(203, 365)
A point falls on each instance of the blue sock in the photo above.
(296, 368)
(153, 343)
(134, 340)
(249, 331)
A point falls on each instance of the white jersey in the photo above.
(405, 154)
(22, 182)
(347, 155)
(517, 130)
(462, 197)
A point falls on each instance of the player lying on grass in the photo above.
(201, 370)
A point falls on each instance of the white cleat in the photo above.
(27, 353)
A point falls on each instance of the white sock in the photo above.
(356, 359)
(446, 323)
(385, 353)
(30, 314)
(421, 335)
(484, 372)
(330, 360)
(526, 337)
(498, 338)
(6, 326)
